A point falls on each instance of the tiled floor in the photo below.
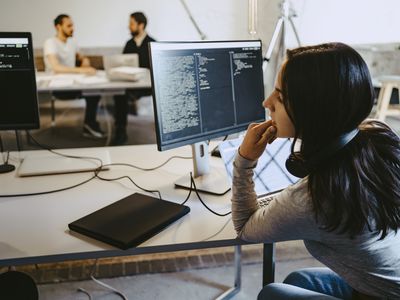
(193, 284)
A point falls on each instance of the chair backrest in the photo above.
(39, 63)
(96, 61)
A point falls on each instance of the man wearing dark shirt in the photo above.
(139, 43)
(140, 39)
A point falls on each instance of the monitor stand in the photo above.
(214, 181)
(6, 168)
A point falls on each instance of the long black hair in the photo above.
(327, 92)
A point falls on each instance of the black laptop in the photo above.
(129, 221)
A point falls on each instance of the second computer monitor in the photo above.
(204, 90)
(18, 95)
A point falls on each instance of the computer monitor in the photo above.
(18, 95)
(204, 90)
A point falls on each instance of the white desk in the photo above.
(83, 86)
(35, 229)
(88, 85)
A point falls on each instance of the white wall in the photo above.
(102, 23)
(349, 21)
(105, 22)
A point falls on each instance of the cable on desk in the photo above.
(223, 140)
(45, 147)
(201, 200)
(17, 137)
(98, 170)
(190, 191)
(60, 189)
(50, 191)
(219, 231)
(152, 168)
(1, 144)
(5, 160)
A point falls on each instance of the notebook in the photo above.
(129, 221)
(270, 174)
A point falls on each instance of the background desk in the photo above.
(88, 85)
(78, 86)
(34, 229)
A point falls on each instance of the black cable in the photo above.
(46, 147)
(201, 200)
(153, 168)
(5, 161)
(18, 141)
(7, 158)
(114, 164)
(223, 140)
(82, 290)
(98, 170)
(190, 190)
(60, 189)
(1, 145)
(49, 192)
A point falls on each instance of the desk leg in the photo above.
(228, 294)
(268, 263)
(103, 105)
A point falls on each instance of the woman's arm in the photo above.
(288, 216)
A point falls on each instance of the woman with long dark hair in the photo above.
(346, 207)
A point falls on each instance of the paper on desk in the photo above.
(61, 82)
(127, 73)
(270, 174)
(92, 80)
(56, 80)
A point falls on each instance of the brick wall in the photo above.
(155, 263)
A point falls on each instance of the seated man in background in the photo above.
(61, 55)
(139, 44)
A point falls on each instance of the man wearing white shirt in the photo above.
(61, 55)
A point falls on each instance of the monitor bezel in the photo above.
(190, 141)
(36, 122)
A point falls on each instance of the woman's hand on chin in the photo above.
(257, 137)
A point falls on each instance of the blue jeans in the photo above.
(310, 283)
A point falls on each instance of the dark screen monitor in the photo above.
(204, 90)
(18, 95)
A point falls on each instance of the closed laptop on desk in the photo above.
(46, 163)
(129, 221)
